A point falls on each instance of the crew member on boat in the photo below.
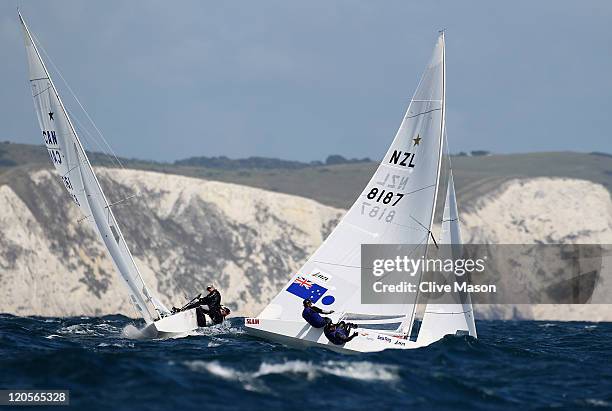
(209, 304)
(338, 334)
(312, 315)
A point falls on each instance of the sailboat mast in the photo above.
(85, 160)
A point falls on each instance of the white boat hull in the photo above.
(301, 335)
(174, 325)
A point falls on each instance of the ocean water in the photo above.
(512, 366)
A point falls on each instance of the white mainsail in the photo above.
(77, 175)
(396, 207)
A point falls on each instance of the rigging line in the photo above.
(419, 223)
(89, 137)
(77, 100)
(420, 189)
(121, 201)
(428, 231)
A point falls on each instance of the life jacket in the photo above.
(337, 337)
(313, 318)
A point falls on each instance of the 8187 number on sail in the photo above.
(384, 196)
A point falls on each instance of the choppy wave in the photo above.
(98, 330)
(513, 365)
(361, 370)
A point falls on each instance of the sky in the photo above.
(165, 80)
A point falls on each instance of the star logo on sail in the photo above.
(416, 140)
(306, 289)
(50, 115)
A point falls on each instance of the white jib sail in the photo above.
(396, 207)
(71, 162)
(445, 318)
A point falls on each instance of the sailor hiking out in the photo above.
(338, 334)
(312, 315)
(209, 305)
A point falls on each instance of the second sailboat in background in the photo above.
(78, 177)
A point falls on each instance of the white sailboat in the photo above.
(68, 156)
(396, 207)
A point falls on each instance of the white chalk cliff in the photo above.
(187, 232)
(550, 211)
(184, 233)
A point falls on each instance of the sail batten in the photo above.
(72, 164)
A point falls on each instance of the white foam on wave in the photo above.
(52, 336)
(116, 345)
(132, 332)
(597, 402)
(227, 373)
(365, 371)
(219, 329)
(88, 329)
(75, 329)
(360, 370)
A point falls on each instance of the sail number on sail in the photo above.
(67, 183)
(406, 161)
(384, 196)
(55, 155)
(49, 138)
(377, 212)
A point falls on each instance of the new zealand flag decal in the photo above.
(306, 289)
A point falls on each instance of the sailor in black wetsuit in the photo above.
(213, 303)
(209, 304)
